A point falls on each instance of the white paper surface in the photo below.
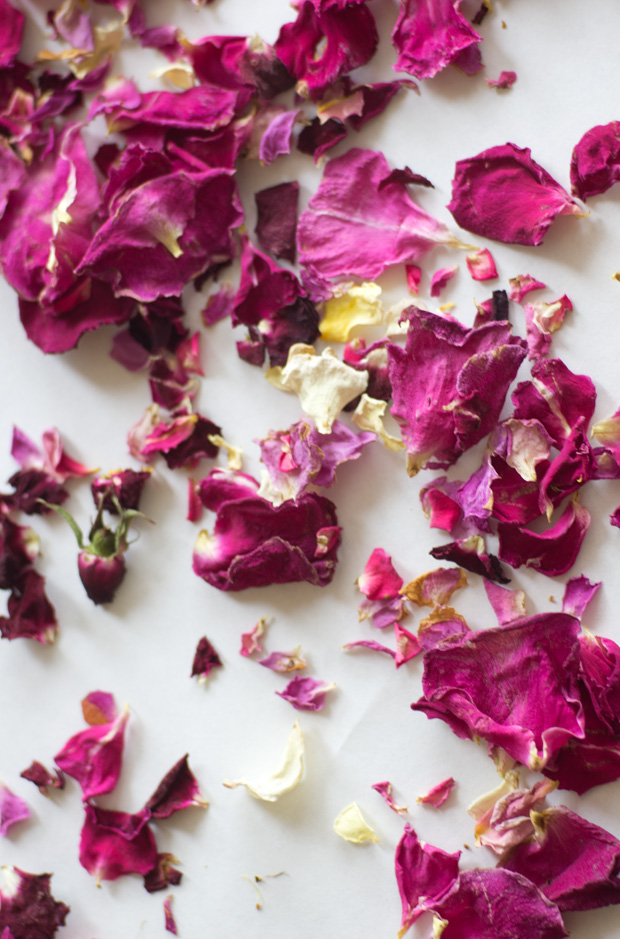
(140, 647)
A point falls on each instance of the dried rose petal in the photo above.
(504, 80)
(205, 659)
(523, 284)
(305, 693)
(578, 594)
(94, 756)
(499, 904)
(438, 794)
(340, 236)
(31, 615)
(551, 552)
(255, 543)
(440, 278)
(287, 775)
(163, 874)
(595, 163)
(435, 587)
(27, 908)
(12, 810)
(385, 791)
(169, 920)
(116, 843)
(178, 790)
(471, 554)
(250, 641)
(449, 385)
(508, 605)
(429, 35)
(481, 265)
(572, 861)
(320, 46)
(126, 485)
(51, 458)
(42, 778)
(276, 224)
(284, 662)
(423, 874)
(541, 321)
(351, 825)
(442, 628)
(503, 194)
(369, 644)
(323, 383)
(483, 686)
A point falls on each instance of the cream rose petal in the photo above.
(285, 778)
(368, 415)
(352, 826)
(359, 306)
(323, 383)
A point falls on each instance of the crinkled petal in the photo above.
(352, 227)
(503, 194)
(551, 552)
(351, 825)
(178, 790)
(429, 35)
(27, 908)
(12, 810)
(423, 874)
(595, 163)
(438, 794)
(116, 843)
(305, 693)
(286, 777)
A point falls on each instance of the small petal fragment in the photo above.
(286, 777)
(205, 659)
(305, 693)
(178, 790)
(385, 791)
(12, 809)
(481, 265)
(438, 794)
(323, 383)
(351, 825)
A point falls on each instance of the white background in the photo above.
(140, 648)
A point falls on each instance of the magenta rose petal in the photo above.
(12, 810)
(305, 693)
(441, 279)
(42, 778)
(322, 45)
(578, 594)
(482, 686)
(255, 543)
(385, 791)
(113, 844)
(339, 235)
(94, 756)
(169, 920)
(595, 163)
(572, 861)
(444, 409)
(423, 874)
(503, 194)
(499, 904)
(481, 265)
(438, 794)
(504, 81)
(429, 35)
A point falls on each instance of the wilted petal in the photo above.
(551, 552)
(503, 194)
(94, 756)
(42, 778)
(12, 810)
(521, 285)
(423, 874)
(323, 383)
(497, 903)
(573, 862)
(276, 224)
(178, 790)
(481, 265)
(284, 662)
(286, 777)
(578, 594)
(595, 163)
(27, 908)
(339, 235)
(305, 693)
(440, 278)
(429, 35)
(351, 825)
(484, 686)
(116, 843)
(449, 385)
(438, 794)
(385, 791)
(205, 659)
(435, 587)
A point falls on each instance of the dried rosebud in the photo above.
(101, 577)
